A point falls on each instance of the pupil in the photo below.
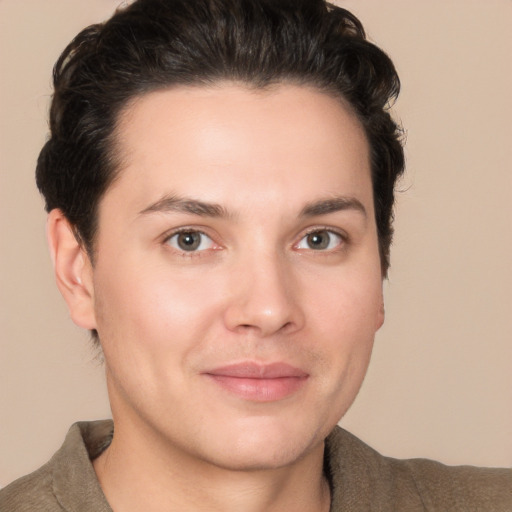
(319, 240)
(189, 241)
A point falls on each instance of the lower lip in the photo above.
(260, 390)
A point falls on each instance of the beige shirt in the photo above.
(360, 478)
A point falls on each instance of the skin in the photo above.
(287, 270)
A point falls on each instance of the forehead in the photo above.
(206, 140)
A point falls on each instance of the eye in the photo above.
(190, 241)
(321, 240)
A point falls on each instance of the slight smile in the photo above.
(259, 383)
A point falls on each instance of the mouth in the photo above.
(259, 382)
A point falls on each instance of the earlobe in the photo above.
(73, 270)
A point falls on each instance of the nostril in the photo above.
(286, 326)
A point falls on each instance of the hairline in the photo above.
(118, 159)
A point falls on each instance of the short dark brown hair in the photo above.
(156, 44)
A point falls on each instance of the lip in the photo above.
(259, 382)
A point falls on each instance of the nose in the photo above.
(264, 298)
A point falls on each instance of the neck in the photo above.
(141, 472)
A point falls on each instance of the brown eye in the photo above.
(190, 241)
(320, 240)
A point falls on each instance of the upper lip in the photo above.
(252, 370)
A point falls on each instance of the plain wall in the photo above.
(440, 382)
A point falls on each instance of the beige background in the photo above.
(440, 383)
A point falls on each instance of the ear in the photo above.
(381, 314)
(73, 270)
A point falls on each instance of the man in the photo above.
(219, 181)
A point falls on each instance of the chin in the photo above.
(271, 458)
(265, 448)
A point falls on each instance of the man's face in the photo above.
(237, 285)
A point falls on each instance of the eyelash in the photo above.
(325, 229)
(197, 253)
(188, 230)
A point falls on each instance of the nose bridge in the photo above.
(264, 294)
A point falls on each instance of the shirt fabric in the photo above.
(360, 480)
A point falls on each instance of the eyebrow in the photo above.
(185, 205)
(177, 204)
(332, 205)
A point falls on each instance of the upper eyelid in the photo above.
(342, 234)
(207, 232)
(189, 254)
(337, 231)
(185, 229)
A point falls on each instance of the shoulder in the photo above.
(67, 480)
(460, 487)
(31, 492)
(414, 485)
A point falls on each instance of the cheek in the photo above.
(350, 318)
(151, 325)
(154, 308)
(349, 303)
(344, 317)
